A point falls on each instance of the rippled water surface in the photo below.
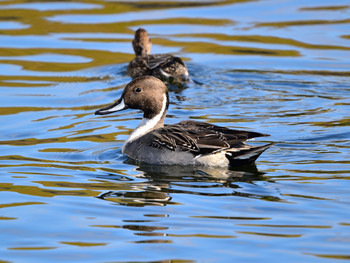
(277, 67)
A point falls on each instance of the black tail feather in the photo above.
(247, 156)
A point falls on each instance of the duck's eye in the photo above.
(138, 90)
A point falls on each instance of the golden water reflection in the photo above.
(276, 67)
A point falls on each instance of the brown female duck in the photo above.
(166, 67)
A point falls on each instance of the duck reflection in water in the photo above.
(168, 68)
(163, 182)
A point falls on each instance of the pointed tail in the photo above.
(247, 156)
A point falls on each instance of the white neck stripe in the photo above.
(147, 125)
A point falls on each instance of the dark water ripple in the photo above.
(68, 194)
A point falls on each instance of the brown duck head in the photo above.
(142, 44)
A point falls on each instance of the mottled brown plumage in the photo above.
(142, 44)
(166, 67)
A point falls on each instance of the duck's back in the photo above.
(191, 143)
(162, 66)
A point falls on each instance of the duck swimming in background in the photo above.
(166, 67)
(184, 143)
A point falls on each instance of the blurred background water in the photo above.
(277, 67)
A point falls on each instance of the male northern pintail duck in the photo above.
(166, 67)
(184, 143)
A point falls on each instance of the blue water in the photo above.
(276, 67)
